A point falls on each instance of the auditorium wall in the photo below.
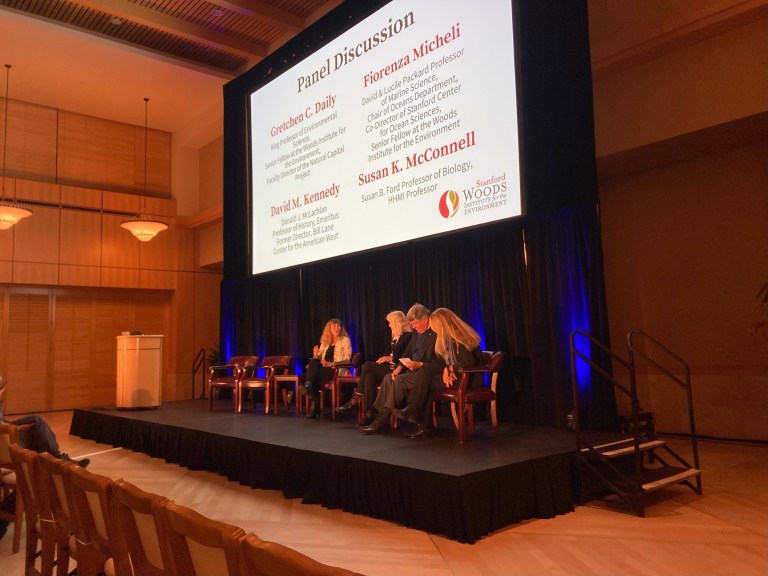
(682, 142)
(71, 279)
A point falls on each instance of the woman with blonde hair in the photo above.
(335, 346)
(372, 373)
(458, 345)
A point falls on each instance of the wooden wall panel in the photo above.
(27, 351)
(37, 191)
(119, 249)
(37, 237)
(157, 279)
(79, 275)
(119, 277)
(35, 273)
(58, 345)
(80, 238)
(95, 152)
(85, 197)
(31, 140)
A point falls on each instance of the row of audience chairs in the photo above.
(115, 528)
(243, 373)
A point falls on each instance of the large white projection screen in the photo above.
(403, 127)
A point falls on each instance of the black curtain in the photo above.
(525, 285)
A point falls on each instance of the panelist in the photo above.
(420, 349)
(372, 373)
(457, 346)
(335, 346)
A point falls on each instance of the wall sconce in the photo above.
(144, 228)
(10, 214)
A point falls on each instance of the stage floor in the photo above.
(463, 491)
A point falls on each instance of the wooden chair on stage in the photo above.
(140, 517)
(9, 434)
(463, 396)
(344, 374)
(226, 377)
(263, 378)
(272, 559)
(39, 525)
(103, 549)
(199, 545)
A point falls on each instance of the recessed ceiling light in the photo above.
(218, 12)
(116, 21)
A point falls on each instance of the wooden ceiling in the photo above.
(222, 37)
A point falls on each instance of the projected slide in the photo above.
(403, 127)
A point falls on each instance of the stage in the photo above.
(462, 491)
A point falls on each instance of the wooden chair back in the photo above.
(39, 527)
(262, 377)
(9, 435)
(344, 374)
(139, 514)
(199, 545)
(263, 558)
(227, 376)
(463, 396)
(91, 496)
(52, 492)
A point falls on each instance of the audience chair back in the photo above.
(463, 396)
(227, 377)
(263, 558)
(140, 518)
(39, 526)
(9, 434)
(91, 496)
(52, 492)
(199, 545)
(262, 378)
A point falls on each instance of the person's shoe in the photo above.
(377, 426)
(349, 406)
(420, 431)
(314, 410)
(370, 416)
(82, 463)
(408, 413)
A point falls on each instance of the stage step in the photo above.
(657, 478)
(624, 447)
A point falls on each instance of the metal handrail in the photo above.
(685, 384)
(196, 364)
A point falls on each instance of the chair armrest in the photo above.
(473, 369)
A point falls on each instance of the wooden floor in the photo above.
(724, 532)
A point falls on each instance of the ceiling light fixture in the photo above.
(10, 214)
(144, 228)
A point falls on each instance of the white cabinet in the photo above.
(139, 371)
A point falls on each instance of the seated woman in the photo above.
(372, 373)
(458, 344)
(335, 346)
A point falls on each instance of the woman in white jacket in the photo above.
(335, 346)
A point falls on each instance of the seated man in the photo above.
(34, 432)
(420, 351)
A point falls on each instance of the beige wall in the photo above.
(684, 218)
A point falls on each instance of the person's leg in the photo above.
(370, 386)
(418, 387)
(367, 375)
(35, 434)
(383, 406)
